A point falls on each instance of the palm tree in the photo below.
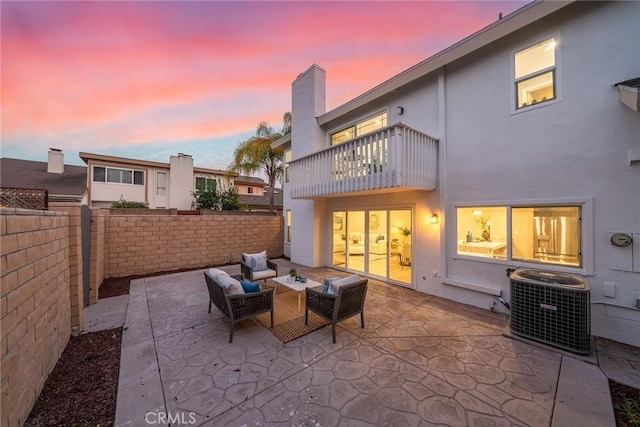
(255, 154)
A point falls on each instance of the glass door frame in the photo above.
(344, 230)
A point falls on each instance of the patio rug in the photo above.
(295, 328)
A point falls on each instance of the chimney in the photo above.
(56, 161)
(308, 93)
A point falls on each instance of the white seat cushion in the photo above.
(214, 272)
(257, 261)
(264, 274)
(231, 286)
(334, 286)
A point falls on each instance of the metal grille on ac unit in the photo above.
(553, 308)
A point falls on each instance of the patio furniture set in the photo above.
(239, 298)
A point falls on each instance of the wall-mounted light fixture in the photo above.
(433, 219)
(400, 110)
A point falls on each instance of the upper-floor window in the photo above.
(207, 184)
(249, 190)
(118, 176)
(359, 128)
(535, 74)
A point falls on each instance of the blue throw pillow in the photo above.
(327, 283)
(250, 287)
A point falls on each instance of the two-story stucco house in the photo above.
(162, 185)
(509, 149)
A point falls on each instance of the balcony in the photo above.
(394, 158)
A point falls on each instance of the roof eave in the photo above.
(507, 25)
(281, 141)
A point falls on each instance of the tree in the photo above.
(255, 154)
(217, 199)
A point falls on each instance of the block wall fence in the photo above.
(35, 305)
(41, 292)
(129, 245)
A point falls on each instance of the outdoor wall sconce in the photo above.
(400, 110)
(433, 219)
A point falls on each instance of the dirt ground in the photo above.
(82, 388)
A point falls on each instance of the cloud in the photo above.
(102, 75)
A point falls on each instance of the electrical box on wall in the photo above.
(624, 251)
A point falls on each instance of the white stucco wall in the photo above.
(426, 274)
(573, 149)
(308, 102)
(182, 182)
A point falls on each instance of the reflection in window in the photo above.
(343, 135)
(542, 234)
(288, 225)
(117, 176)
(360, 128)
(535, 74)
(206, 184)
(547, 234)
(287, 159)
(482, 231)
(162, 184)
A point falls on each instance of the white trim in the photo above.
(354, 124)
(557, 68)
(473, 287)
(587, 234)
(120, 169)
(513, 22)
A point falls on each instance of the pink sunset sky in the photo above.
(149, 79)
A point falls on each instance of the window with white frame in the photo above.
(118, 176)
(161, 184)
(206, 184)
(361, 127)
(287, 159)
(538, 233)
(535, 74)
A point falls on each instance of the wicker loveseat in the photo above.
(348, 302)
(240, 306)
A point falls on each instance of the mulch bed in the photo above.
(620, 394)
(83, 386)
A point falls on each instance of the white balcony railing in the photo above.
(394, 157)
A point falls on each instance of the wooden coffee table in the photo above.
(299, 287)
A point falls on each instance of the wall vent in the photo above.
(553, 308)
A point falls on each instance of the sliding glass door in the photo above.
(375, 242)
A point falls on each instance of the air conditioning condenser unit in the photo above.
(552, 308)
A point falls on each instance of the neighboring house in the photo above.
(161, 185)
(249, 185)
(65, 184)
(519, 146)
(253, 193)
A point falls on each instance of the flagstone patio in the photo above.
(420, 360)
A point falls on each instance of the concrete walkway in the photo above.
(421, 360)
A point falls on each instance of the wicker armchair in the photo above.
(335, 308)
(238, 307)
(251, 275)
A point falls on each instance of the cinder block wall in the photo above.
(35, 311)
(75, 260)
(136, 244)
(99, 219)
